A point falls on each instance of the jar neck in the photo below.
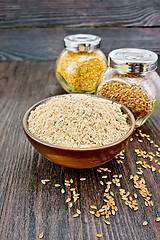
(81, 49)
(131, 74)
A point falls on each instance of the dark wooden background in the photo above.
(31, 38)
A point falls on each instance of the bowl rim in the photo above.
(41, 102)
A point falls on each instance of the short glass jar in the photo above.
(81, 63)
(131, 80)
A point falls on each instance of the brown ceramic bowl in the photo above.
(78, 157)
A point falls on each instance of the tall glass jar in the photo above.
(81, 63)
(131, 79)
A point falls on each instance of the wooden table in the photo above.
(31, 38)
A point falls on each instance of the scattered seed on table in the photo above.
(68, 200)
(76, 215)
(157, 219)
(92, 212)
(82, 179)
(43, 181)
(47, 180)
(78, 211)
(67, 181)
(104, 169)
(62, 190)
(97, 214)
(98, 235)
(135, 195)
(71, 180)
(41, 235)
(145, 223)
(70, 204)
(107, 222)
(93, 207)
(101, 182)
(105, 176)
(57, 185)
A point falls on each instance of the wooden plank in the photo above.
(28, 207)
(46, 44)
(79, 14)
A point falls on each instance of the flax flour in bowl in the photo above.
(78, 130)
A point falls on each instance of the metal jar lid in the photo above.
(82, 42)
(133, 60)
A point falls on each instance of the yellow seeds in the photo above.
(71, 180)
(75, 198)
(105, 176)
(102, 183)
(76, 215)
(104, 169)
(109, 183)
(97, 215)
(57, 185)
(47, 180)
(68, 200)
(67, 181)
(157, 219)
(43, 181)
(98, 170)
(92, 212)
(98, 235)
(135, 208)
(82, 179)
(72, 189)
(153, 168)
(93, 207)
(70, 204)
(113, 212)
(107, 222)
(135, 195)
(80, 70)
(41, 235)
(145, 223)
(115, 176)
(140, 140)
(78, 211)
(62, 190)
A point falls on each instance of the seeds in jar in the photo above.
(81, 70)
(78, 121)
(133, 96)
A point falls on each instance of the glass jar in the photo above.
(81, 63)
(131, 80)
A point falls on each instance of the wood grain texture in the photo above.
(46, 44)
(70, 13)
(28, 207)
